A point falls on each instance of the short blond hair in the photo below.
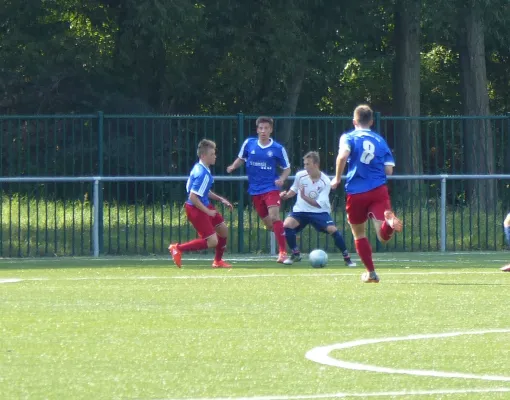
(363, 114)
(314, 156)
(204, 145)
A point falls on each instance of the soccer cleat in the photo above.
(369, 277)
(349, 262)
(221, 264)
(176, 254)
(394, 222)
(281, 257)
(294, 257)
(506, 268)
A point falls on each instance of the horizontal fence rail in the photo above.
(435, 216)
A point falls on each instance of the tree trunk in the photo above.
(478, 136)
(290, 106)
(406, 87)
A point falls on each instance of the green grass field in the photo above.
(139, 328)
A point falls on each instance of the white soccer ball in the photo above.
(318, 258)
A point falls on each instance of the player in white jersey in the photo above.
(312, 188)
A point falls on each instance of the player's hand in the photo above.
(227, 203)
(279, 182)
(230, 169)
(211, 213)
(334, 183)
(283, 195)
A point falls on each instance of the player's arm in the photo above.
(223, 200)
(241, 158)
(236, 164)
(288, 194)
(309, 200)
(284, 162)
(323, 198)
(195, 200)
(389, 162)
(341, 160)
(293, 189)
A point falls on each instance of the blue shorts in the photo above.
(320, 221)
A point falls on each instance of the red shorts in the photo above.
(263, 201)
(204, 225)
(371, 204)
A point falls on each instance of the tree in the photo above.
(406, 86)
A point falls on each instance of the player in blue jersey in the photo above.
(312, 187)
(369, 161)
(506, 227)
(264, 157)
(204, 217)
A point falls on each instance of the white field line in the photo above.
(321, 356)
(356, 395)
(245, 276)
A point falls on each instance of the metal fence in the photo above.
(35, 222)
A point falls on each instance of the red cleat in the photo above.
(281, 257)
(506, 268)
(176, 254)
(221, 264)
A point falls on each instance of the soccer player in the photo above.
(312, 187)
(369, 161)
(204, 217)
(506, 227)
(263, 156)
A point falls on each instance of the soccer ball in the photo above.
(318, 258)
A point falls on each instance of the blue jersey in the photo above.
(369, 153)
(199, 182)
(261, 163)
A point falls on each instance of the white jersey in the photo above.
(317, 190)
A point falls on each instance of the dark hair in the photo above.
(261, 120)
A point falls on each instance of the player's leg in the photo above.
(506, 227)
(384, 219)
(292, 225)
(272, 202)
(357, 214)
(222, 233)
(337, 237)
(205, 229)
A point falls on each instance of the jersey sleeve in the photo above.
(323, 198)
(345, 143)
(283, 158)
(243, 152)
(295, 185)
(388, 157)
(200, 183)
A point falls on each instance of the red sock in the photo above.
(279, 233)
(220, 248)
(193, 245)
(386, 231)
(364, 251)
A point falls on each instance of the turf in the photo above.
(139, 328)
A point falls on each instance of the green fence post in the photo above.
(240, 205)
(100, 131)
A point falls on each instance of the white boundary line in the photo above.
(244, 276)
(353, 395)
(321, 356)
